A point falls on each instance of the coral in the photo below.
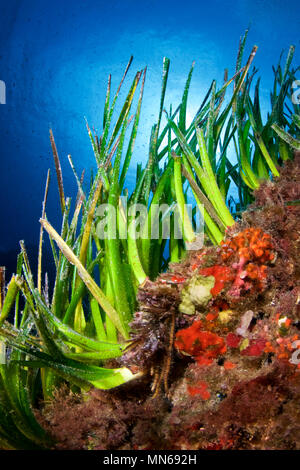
(250, 244)
(249, 251)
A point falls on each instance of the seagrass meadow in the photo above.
(158, 343)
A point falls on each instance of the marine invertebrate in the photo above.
(199, 389)
(203, 345)
(198, 291)
(222, 275)
(250, 244)
(249, 251)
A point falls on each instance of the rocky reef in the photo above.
(218, 340)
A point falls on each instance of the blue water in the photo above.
(55, 57)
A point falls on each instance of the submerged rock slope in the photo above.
(218, 340)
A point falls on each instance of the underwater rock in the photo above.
(217, 337)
